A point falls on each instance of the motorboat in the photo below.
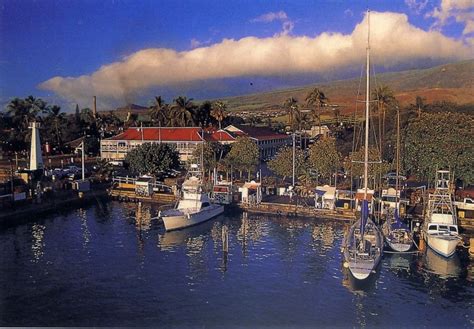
(194, 206)
(440, 229)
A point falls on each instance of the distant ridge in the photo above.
(450, 82)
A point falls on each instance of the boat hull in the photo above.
(361, 270)
(399, 247)
(361, 265)
(444, 245)
(184, 220)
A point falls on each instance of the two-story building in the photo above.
(268, 141)
(186, 139)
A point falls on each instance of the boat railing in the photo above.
(132, 180)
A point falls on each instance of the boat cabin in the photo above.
(442, 229)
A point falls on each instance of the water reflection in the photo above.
(171, 241)
(273, 271)
(359, 287)
(86, 234)
(37, 247)
(443, 267)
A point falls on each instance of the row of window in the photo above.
(180, 146)
(273, 141)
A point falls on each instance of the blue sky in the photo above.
(41, 40)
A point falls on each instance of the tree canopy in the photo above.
(324, 157)
(282, 164)
(440, 141)
(152, 158)
(244, 154)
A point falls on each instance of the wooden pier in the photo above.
(131, 196)
(292, 210)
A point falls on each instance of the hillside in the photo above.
(449, 82)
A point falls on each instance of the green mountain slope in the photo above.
(451, 82)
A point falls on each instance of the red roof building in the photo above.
(186, 139)
(268, 141)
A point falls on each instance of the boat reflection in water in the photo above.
(399, 262)
(275, 272)
(442, 266)
(359, 287)
(169, 241)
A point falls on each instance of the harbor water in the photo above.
(111, 265)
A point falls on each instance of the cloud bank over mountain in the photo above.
(394, 41)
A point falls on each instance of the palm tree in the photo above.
(384, 97)
(302, 120)
(158, 111)
(57, 119)
(36, 105)
(317, 99)
(21, 113)
(218, 111)
(202, 114)
(337, 114)
(182, 111)
(419, 104)
(291, 106)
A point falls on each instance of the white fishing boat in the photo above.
(398, 235)
(440, 229)
(194, 206)
(363, 242)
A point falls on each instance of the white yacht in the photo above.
(440, 229)
(363, 242)
(193, 208)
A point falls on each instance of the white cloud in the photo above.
(393, 40)
(287, 24)
(270, 17)
(416, 5)
(460, 10)
(195, 43)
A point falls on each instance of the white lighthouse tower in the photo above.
(36, 157)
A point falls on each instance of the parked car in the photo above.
(116, 163)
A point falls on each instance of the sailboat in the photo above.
(363, 242)
(440, 229)
(398, 235)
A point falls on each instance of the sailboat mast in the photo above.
(367, 94)
(397, 182)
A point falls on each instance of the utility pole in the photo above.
(294, 156)
(11, 181)
(81, 146)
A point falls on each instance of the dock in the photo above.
(68, 200)
(131, 196)
(131, 189)
(295, 207)
(291, 210)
